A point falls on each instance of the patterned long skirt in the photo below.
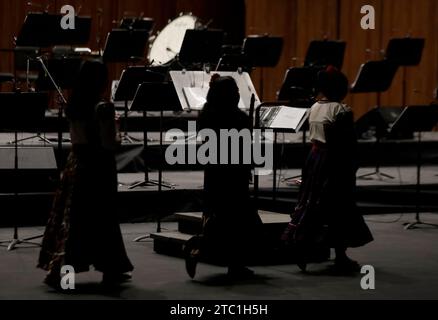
(326, 214)
(83, 229)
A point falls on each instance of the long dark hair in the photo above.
(89, 87)
(223, 94)
(333, 84)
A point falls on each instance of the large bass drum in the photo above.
(167, 44)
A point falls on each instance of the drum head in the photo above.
(168, 43)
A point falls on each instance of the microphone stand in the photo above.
(61, 105)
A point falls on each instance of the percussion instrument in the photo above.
(167, 44)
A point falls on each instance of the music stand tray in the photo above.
(263, 51)
(323, 53)
(417, 119)
(21, 112)
(405, 51)
(201, 46)
(302, 80)
(131, 78)
(125, 45)
(135, 23)
(374, 77)
(44, 30)
(128, 85)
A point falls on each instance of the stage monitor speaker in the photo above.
(37, 170)
(377, 122)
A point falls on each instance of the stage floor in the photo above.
(405, 262)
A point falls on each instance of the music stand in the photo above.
(150, 97)
(417, 119)
(201, 46)
(263, 51)
(322, 53)
(62, 102)
(44, 30)
(25, 59)
(299, 86)
(125, 46)
(129, 81)
(233, 63)
(375, 77)
(21, 112)
(299, 89)
(135, 23)
(259, 124)
(405, 52)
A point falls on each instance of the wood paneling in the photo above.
(301, 21)
(275, 17)
(298, 21)
(362, 46)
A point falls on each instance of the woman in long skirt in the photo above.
(231, 221)
(326, 214)
(83, 229)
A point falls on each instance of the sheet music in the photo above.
(196, 97)
(200, 79)
(284, 117)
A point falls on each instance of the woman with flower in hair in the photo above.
(326, 214)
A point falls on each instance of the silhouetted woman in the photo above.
(230, 218)
(326, 214)
(83, 229)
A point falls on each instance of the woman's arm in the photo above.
(108, 131)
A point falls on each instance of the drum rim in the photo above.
(157, 35)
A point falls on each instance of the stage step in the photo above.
(189, 224)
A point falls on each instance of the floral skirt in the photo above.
(326, 213)
(83, 229)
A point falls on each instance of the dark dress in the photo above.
(231, 221)
(83, 228)
(326, 214)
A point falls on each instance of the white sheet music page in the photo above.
(289, 118)
(196, 97)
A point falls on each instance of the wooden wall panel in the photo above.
(274, 17)
(316, 20)
(415, 19)
(298, 21)
(362, 46)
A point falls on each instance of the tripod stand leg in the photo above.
(378, 174)
(414, 225)
(14, 243)
(140, 239)
(151, 183)
(128, 139)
